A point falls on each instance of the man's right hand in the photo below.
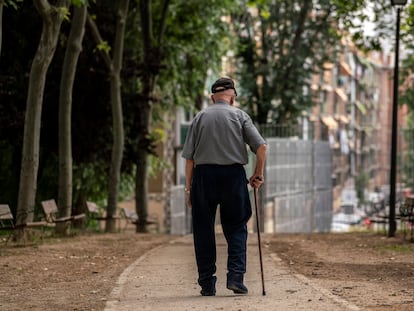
(256, 181)
(187, 199)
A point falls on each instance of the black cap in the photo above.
(223, 84)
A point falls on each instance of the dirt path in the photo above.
(369, 270)
(76, 273)
(79, 273)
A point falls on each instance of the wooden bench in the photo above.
(407, 216)
(6, 220)
(50, 210)
(131, 217)
(7, 223)
(95, 213)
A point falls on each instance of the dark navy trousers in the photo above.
(224, 185)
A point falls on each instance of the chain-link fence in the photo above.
(297, 194)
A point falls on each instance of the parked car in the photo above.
(348, 215)
(349, 196)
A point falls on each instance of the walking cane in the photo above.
(258, 238)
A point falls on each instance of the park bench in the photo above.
(7, 223)
(407, 216)
(50, 210)
(131, 217)
(95, 213)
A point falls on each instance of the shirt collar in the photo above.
(222, 102)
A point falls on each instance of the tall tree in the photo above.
(283, 43)
(152, 42)
(172, 48)
(52, 17)
(278, 57)
(114, 66)
(73, 49)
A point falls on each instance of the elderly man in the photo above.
(215, 151)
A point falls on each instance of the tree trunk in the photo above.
(74, 47)
(152, 62)
(52, 20)
(141, 191)
(117, 117)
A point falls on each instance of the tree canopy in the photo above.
(172, 51)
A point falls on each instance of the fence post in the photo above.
(313, 169)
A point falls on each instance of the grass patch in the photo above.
(398, 248)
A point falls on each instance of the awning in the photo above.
(330, 122)
(341, 93)
(361, 107)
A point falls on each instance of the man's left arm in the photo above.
(257, 178)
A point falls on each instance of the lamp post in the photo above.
(394, 134)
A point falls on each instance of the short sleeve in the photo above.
(251, 135)
(189, 144)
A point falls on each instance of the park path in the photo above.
(165, 279)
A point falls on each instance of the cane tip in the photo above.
(264, 293)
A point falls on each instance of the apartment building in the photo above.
(354, 97)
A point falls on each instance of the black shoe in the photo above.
(235, 283)
(208, 287)
(237, 288)
(208, 292)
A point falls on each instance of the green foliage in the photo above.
(194, 45)
(90, 180)
(12, 3)
(353, 16)
(79, 3)
(157, 165)
(104, 46)
(191, 46)
(283, 43)
(64, 12)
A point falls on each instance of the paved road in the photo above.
(165, 279)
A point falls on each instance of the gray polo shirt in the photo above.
(219, 134)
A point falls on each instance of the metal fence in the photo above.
(297, 194)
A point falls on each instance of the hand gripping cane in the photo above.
(258, 238)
